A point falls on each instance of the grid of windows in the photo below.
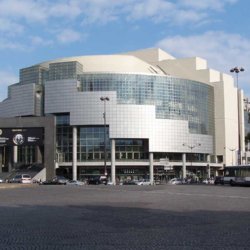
(90, 143)
(26, 154)
(131, 149)
(64, 139)
(64, 70)
(174, 98)
(62, 119)
(34, 74)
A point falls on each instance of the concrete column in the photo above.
(1, 158)
(216, 172)
(208, 171)
(38, 154)
(15, 154)
(184, 169)
(74, 166)
(151, 168)
(113, 174)
(10, 161)
(208, 166)
(25, 155)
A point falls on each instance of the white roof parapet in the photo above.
(147, 61)
(151, 55)
(111, 63)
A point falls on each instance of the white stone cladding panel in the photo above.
(20, 101)
(124, 121)
(226, 118)
(170, 135)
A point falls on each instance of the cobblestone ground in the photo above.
(124, 217)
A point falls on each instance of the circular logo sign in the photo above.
(18, 139)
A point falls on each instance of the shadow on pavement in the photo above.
(109, 227)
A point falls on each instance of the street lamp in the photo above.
(105, 99)
(191, 147)
(232, 150)
(237, 70)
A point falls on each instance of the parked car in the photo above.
(129, 182)
(144, 183)
(57, 180)
(175, 181)
(96, 180)
(75, 183)
(22, 178)
(60, 180)
(1, 180)
(219, 180)
(208, 181)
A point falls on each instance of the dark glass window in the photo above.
(90, 143)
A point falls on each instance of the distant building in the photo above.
(164, 116)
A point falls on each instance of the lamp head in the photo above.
(104, 98)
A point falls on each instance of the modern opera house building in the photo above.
(160, 117)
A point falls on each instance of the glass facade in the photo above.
(34, 74)
(174, 98)
(131, 149)
(90, 143)
(26, 154)
(64, 70)
(56, 71)
(247, 122)
(64, 139)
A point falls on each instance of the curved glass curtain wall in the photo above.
(174, 98)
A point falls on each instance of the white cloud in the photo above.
(156, 9)
(103, 11)
(222, 51)
(23, 17)
(206, 4)
(69, 36)
(6, 79)
(12, 45)
(69, 9)
(176, 13)
(39, 41)
(10, 28)
(30, 10)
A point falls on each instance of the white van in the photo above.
(22, 178)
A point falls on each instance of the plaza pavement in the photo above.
(124, 217)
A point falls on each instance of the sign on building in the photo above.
(21, 136)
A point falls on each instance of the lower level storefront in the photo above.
(161, 174)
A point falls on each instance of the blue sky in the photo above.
(32, 31)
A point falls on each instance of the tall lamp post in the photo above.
(191, 148)
(105, 99)
(237, 70)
